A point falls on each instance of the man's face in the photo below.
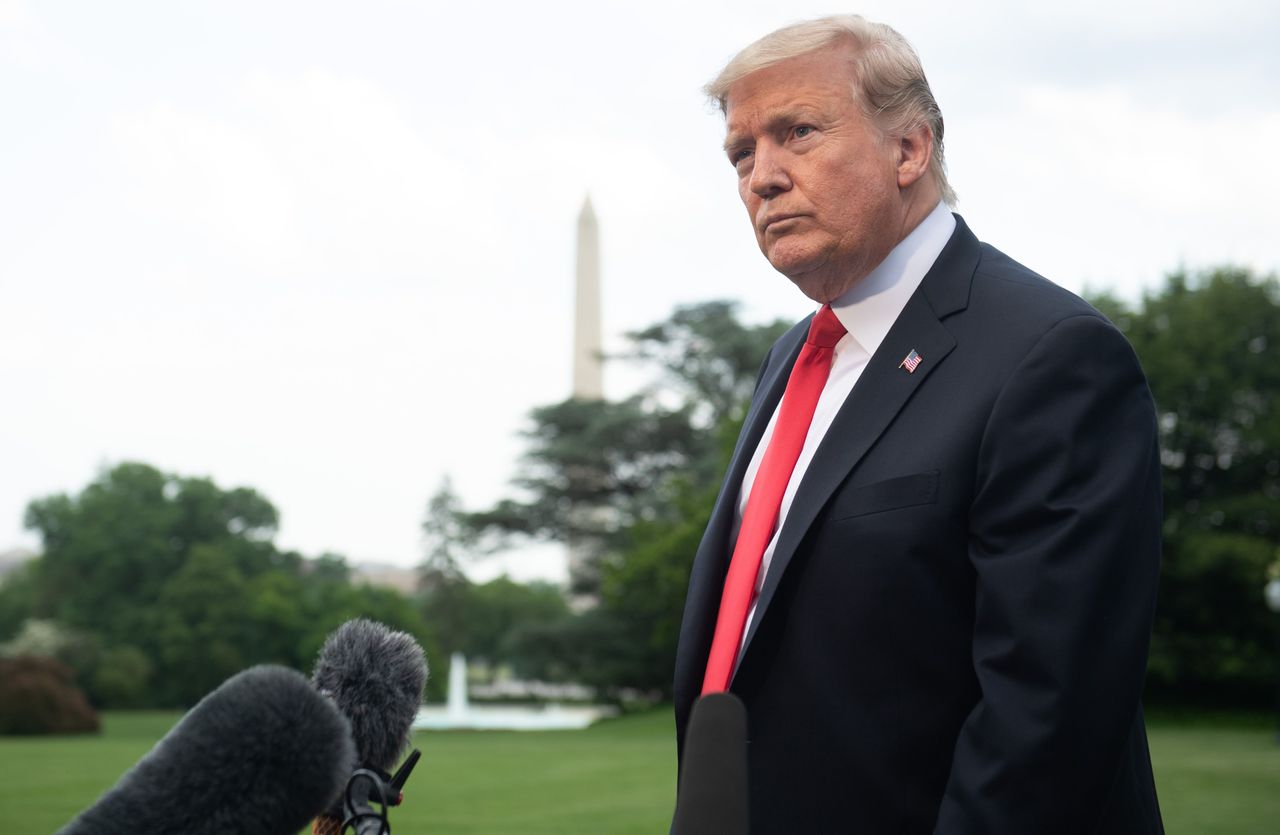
(819, 182)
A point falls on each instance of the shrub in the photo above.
(38, 696)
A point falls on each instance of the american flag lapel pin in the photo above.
(911, 361)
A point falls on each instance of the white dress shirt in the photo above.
(867, 311)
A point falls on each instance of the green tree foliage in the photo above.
(200, 632)
(490, 622)
(125, 536)
(503, 612)
(121, 679)
(633, 481)
(594, 469)
(707, 357)
(168, 585)
(18, 598)
(445, 590)
(1208, 343)
(644, 586)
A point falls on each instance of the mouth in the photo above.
(774, 220)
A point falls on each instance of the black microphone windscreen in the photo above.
(376, 676)
(262, 754)
(712, 796)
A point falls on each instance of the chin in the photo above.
(805, 275)
(812, 286)
(815, 291)
(796, 256)
(799, 267)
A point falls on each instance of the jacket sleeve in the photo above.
(1065, 542)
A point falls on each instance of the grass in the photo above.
(45, 781)
(1218, 775)
(618, 777)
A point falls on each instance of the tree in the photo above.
(643, 587)
(445, 589)
(594, 469)
(707, 357)
(326, 598)
(200, 632)
(593, 454)
(122, 679)
(18, 593)
(634, 480)
(445, 537)
(110, 551)
(1207, 342)
(501, 609)
(168, 585)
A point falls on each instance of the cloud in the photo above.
(252, 240)
(13, 12)
(215, 178)
(28, 45)
(1160, 160)
(1111, 189)
(308, 176)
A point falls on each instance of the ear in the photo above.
(915, 151)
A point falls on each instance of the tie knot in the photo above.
(825, 330)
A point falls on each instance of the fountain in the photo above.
(457, 707)
(459, 714)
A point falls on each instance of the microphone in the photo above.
(376, 677)
(260, 755)
(712, 797)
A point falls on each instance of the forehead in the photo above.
(823, 79)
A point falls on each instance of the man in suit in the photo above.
(946, 620)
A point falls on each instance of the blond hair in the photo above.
(889, 82)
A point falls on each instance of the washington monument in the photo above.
(588, 367)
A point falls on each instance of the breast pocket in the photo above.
(890, 494)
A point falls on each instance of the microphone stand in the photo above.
(369, 785)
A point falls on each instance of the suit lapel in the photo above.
(880, 393)
(712, 560)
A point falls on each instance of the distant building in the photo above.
(13, 559)
(385, 576)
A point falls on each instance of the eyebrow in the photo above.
(788, 116)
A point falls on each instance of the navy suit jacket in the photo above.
(952, 636)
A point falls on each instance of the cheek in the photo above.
(751, 203)
(857, 203)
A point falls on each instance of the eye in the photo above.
(738, 155)
(801, 131)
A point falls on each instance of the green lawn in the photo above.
(1217, 776)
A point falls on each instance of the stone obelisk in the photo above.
(588, 367)
(588, 381)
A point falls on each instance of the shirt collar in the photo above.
(869, 308)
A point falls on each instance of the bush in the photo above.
(37, 696)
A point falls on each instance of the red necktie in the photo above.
(804, 387)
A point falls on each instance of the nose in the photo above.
(769, 176)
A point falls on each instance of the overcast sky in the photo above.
(326, 250)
